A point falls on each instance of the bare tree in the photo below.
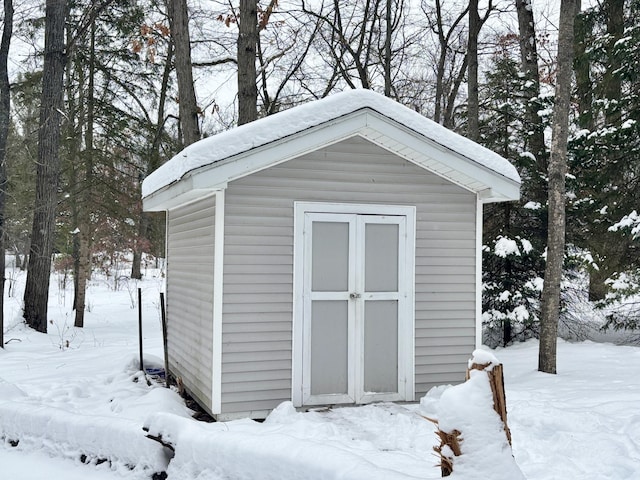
(448, 52)
(5, 106)
(247, 46)
(557, 190)
(349, 36)
(48, 168)
(188, 106)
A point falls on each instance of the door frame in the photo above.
(406, 309)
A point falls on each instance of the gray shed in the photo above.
(328, 254)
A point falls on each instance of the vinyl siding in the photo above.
(190, 241)
(258, 273)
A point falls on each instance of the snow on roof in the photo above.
(289, 122)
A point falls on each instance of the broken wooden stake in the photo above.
(450, 442)
(496, 380)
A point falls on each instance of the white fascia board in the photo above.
(461, 170)
(175, 195)
(280, 151)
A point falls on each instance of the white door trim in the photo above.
(406, 314)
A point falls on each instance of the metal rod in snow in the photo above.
(167, 380)
(140, 325)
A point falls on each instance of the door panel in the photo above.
(380, 346)
(381, 257)
(330, 262)
(329, 350)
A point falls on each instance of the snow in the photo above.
(90, 399)
(482, 357)
(628, 124)
(532, 206)
(632, 220)
(526, 245)
(506, 246)
(289, 122)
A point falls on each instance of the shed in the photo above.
(328, 254)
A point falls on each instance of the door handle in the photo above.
(353, 296)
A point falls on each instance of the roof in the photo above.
(209, 164)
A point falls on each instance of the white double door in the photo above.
(358, 308)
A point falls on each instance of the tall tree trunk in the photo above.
(473, 129)
(188, 106)
(611, 80)
(5, 105)
(48, 168)
(84, 218)
(247, 42)
(534, 126)
(75, 118)
(387, 49)
(557, 172)
(582, 67)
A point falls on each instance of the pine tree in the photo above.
(512, 257)
(606, 151)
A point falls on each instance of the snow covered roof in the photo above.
(209, 164)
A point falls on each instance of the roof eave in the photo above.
(491, 186)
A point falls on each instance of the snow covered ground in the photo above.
(77, 395)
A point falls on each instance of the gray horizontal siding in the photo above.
(190, 243)
(258, 274)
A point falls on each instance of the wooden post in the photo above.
(163, 315)
(450, 441)
(496, 380)
(140, 326)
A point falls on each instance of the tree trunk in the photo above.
(611, 80)
(473, 129)
(387, 49)
(529, 61)
(188, 107)
(557, 172)
(582, 66)
(84, 217)
(75, 112)
(48, 168)
(247, 42)
(5, 106)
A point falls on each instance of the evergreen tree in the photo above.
(513, 244)
(606, 150)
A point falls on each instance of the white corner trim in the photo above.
(479, 206)
(298, 306)
(218, 269)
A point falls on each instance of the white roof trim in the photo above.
(210, 164)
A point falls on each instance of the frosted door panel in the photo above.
(329, 333)
(330, 257)
(381, 346)
(381, 257)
